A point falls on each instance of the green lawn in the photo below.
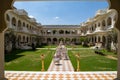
(68, 46)
(27, 60)
(74, 46)
(89, 61)
(49, 46)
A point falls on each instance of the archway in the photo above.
(103, 41)
(61, 32)
(6, 4)
(49, 40)
(55, 40)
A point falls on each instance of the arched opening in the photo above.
(73, 40)
(67, 32)
(61, 39)
(48, 31)
(23, 24)
(48, 40)
(13, 21)
(19, 25)
(99, 24)
(27, 39)
(99, 38)
(61, 32)
(103, 24)
(54, 31)
(95, 39)
(23, 39)
(73, 31)
(109, 21)
(67, 40)
(103, 41)
(54, 40)
(27, 26)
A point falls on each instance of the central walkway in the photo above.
(62, 60)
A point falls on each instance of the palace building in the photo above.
(69, 34)
(23, 31)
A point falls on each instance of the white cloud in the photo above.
(31, 16)
(56, 18)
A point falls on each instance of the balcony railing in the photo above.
(61, 34)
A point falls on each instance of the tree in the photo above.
(112, 38)
(84, 41)
(10, 41)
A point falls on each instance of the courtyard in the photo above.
(89, 61)
(25, 33)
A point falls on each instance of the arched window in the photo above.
(74, 40)
(54, 31)
(23, 24)
(27, 39)
(61, 32)
(61, 39)
(67, 39)
(99, 39)
(99, 24)
(103, 39)
(19, 23)
(48, 31)
(23, 38)
(55, 39)
(95, 39)
(13, 21)
(92, 28)
(27, 25)
(67, 32)
(95, 25)
(109, 21)
(48, 40)
(103, 23)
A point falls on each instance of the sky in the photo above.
(61, 12)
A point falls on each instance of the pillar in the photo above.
(2, 56)
(118, 72)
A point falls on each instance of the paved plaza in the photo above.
(19, 75)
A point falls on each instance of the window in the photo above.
(109, 21)
(13, 21)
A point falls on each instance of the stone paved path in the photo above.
(64, 65)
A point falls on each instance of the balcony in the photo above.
(100, 30)
(83, 34)
(89, 32)
(61, 35)
(109, 28)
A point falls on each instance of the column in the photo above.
(118, 71)
(97, 39)
(101, 38)
(2, 56)
(113, 22)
